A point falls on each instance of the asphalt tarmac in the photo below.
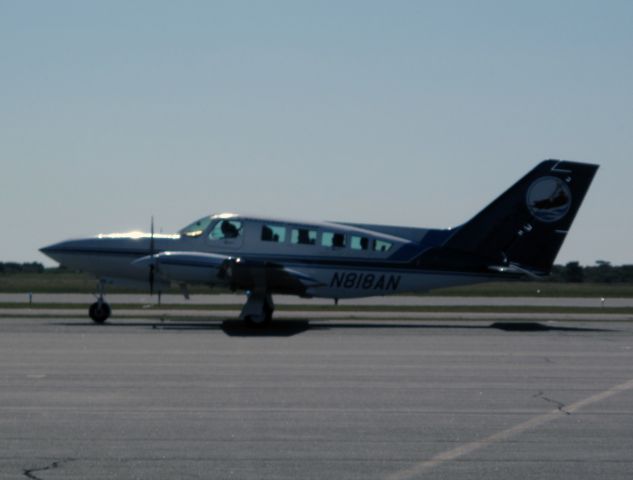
(375, 399)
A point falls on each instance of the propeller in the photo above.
(152, 265)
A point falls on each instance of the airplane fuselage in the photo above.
(363, 262)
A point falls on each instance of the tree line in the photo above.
(572, 272)
(15, 267)
(601, 272)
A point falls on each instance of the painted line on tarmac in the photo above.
(468, 448)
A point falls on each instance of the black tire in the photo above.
(99, 312)
(257, 321)
(260, 321)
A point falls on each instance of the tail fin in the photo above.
(525, 227)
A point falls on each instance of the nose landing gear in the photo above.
(100, 310)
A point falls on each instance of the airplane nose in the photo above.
(63, 251)
(53, 247)
(54, 250)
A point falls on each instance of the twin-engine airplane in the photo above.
(518, 234)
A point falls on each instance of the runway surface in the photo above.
(316, 399)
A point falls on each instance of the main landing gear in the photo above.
(258, 310)
(100, 310)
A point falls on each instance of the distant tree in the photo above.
(33, 267)
(602, 272)
(14, 267)
(626, 273)
(573, 272)
(557, 274)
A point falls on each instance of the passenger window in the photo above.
(359, 243)
(273, 233)
(226, 229)
(326, 239)
(331, 239)
(338, 240)
(382, 246)
(303, 236)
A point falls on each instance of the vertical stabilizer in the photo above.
(526, 226)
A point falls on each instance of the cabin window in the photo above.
(303, 236)
(273, 233)
(382, 246)
(196, 228)
(326, 239)
(226, 229)
(331, 239)
(359, 243)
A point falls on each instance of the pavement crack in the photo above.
(559, 405)
(31, 472)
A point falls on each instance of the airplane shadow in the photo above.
(290, 327)
(539, 327)
(237, 328)
(505, 326)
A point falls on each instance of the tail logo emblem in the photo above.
(548, 199)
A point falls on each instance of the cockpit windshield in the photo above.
(196, 228)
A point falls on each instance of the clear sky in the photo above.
(401, 112)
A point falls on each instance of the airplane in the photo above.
(519, 234)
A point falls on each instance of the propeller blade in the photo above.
(152, 266)
(151, 279)
(151, 236)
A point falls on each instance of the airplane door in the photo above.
(227, 234)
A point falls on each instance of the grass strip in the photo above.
(70, 282)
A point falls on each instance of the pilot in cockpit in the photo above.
(228, 229)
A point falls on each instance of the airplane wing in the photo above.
(235, 272)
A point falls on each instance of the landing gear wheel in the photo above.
(260, 320)
(261, 312)
(99, 312)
